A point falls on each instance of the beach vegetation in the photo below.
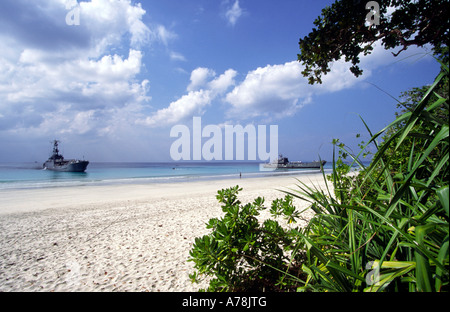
(384, 227)
(240, 253)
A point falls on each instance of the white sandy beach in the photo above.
(116, 237)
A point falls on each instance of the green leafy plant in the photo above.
(391, 223)
(384, 228)
(241, 253)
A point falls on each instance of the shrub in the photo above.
(241, 253)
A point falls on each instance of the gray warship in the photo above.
(284, 163)
(56, 162)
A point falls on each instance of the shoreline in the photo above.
(130, 237)
(82, 180)
(16, 200)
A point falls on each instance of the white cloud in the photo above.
(108, 21)
(271, 91)
(177, 56)
(56, 78)
(234, 13)
(223, 82)
(277, 91)
(199, 77)
(113, 67)
(164, 35)
(201, 92)
(192, 103)
(81, 123)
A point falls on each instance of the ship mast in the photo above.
(56, 154)
(55, 148)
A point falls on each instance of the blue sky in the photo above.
(112, 87)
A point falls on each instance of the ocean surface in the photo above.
(31, 175)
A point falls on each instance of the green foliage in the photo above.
(340, 32)
(383, 228)
(240, 253)
(386, 229)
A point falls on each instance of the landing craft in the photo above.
(284, 163)
(56, 162)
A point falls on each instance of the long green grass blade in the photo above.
(423, 272)
(337, 275)
(443, 255)
(443, 195)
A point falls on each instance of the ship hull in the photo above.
(67, 166)
(294, 165)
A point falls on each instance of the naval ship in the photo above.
(57, 162)
(284, 163)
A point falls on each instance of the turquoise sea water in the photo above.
(31, 175)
